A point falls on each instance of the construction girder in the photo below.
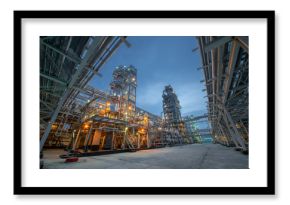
(217, 43)
(227, 86)
(74, 79)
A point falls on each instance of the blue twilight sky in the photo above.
(160, 60)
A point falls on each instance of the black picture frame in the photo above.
(268, 190)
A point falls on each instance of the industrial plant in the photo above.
(84, 121)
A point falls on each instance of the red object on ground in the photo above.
(72, 159)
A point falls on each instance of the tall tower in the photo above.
(171, 107)
(124, 85)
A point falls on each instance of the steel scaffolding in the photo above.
(67, 64)
(225, 68)
(111, 119)
(105, 121)
(80, 117)
(192, 129)
(173, 122)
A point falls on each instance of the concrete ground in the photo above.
(193, 156)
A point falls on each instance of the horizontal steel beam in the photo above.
(68, 113)
(83, 91)
(217, 42)
(244, 42)
(125, 41)
(195, 49)
(94, 71)
(46, 105)
(52, 94)
(73, 59)
(53, 79)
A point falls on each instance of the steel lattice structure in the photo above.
(81, 116)
(67, 64)
(225, 67)
(192, 130)
(172, 118)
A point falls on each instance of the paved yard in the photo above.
(194, 156)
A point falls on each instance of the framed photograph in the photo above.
(144, 102)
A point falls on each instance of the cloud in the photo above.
(151, 95)
(190, 97)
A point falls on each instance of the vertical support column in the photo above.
(237, 134)
(77, 139)
(124, 139)
(223, 133)
(199, 137)
(138, 138)
(233, 137)
(113, 141)
(217, 132)
(90, 139)
(244, 127)
(138, 141)
(87, 137)
(71, 143)
(147, 138)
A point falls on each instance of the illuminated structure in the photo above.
(191, 129)
(111, 118)
(67, 64)
(107, 121)
(171, 107)
(196, 129)
(78, 116)
(124, 87)
(172, 118)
